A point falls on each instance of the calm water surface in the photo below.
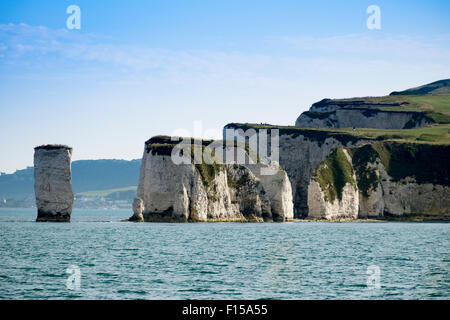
(298, 260)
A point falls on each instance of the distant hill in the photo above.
(87, 175)
(437, 87)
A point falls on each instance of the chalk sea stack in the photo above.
(53, 182)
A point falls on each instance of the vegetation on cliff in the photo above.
(435, 107)
(437, 87)
(367, 178)
(333, 174)
(207, 171)
(426, 163)
(317, 135)
(435, 134)
(199, 152)
(430, 101)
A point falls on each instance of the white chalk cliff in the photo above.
(53, 182)
(404, 185)
(347, 113)
(325, 205)
(207, 192)
(300, 152)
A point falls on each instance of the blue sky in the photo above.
(141, 68)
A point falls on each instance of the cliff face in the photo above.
(207, 192)
(300, 152)
(411, 178)
(52, 186)
(363, 118)
(278, 188)
(362, 113)
(332, 192)
(391, 179)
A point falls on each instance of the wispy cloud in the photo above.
(27, 45)
(373, 44)
(337, 64)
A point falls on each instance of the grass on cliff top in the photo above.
(333, 174)
(437, 103)
(436, 87)
(434, 134)
(437, 107)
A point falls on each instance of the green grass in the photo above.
(333, 174)
(207, 171)
(105, 193)
(435, 134)
(426, 163)
(436, 107)
(367, 177)
(437, 103)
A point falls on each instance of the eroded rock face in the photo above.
(138, 209)
(300, 152)
(348, 113)
(278, 188)
(355, 118)
(322, 208)
(199, 192)
(405, 197)
(411, 181)
(325, 201)
(53, 182)
(408, 198)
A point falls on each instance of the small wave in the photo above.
(131, 291)
(194, 290)
(52, 275)
(107, 274)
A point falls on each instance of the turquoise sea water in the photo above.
(301, 260)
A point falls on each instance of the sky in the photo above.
(136, 68)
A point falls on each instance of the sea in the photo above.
(96, 256)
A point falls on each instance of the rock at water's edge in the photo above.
(169, 192)
(53, 183)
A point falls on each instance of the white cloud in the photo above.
(350, 53)
(311, 68)
(370, 44)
